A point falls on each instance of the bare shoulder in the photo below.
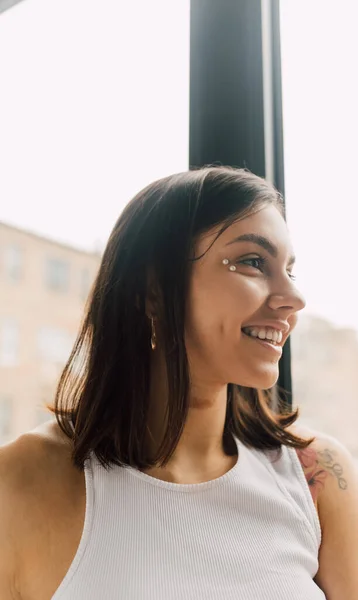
(29, 460)
(332, 475)
(328, 465)
(27, 474)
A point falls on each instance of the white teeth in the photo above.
(272, 335)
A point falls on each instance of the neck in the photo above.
(200, 451)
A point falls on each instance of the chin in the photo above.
(259, 380)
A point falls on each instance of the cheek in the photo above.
(225, 297)
(203, 318)
(215, 313)
(218, 304)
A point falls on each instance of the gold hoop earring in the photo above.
(153, 339)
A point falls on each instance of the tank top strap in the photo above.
(286, 469)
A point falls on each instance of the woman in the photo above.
(169, 473)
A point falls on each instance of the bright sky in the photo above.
(95, 105)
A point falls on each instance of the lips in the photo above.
(275, 324)
(264, 333)
(271, 330)
(268, 344)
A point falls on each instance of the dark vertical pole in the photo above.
(284, 383)
(279, 175)
(226, 111)
(235, 94)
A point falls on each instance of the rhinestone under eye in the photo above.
(232, 268)
(225, 261)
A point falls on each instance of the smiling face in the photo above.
(242, 287)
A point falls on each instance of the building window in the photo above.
(57, 274)
(85, 283)
(13, 263)
(54, 345)
(9, 342)
(6, 414)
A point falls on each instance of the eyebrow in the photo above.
(262, 241)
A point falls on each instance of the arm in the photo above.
(333, 479)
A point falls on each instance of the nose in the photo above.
(289, 299)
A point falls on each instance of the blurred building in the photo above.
(325, 378)
(43, 289)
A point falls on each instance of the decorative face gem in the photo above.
(227, 262)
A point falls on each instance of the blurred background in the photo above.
(97, 101)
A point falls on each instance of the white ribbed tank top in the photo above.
(252, 534)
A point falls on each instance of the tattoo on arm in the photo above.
(317, 466)
(327, 460)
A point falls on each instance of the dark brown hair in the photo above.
(104, 386)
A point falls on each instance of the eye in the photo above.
(255, 262)
(258, 262)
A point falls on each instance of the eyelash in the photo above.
(262, 261)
